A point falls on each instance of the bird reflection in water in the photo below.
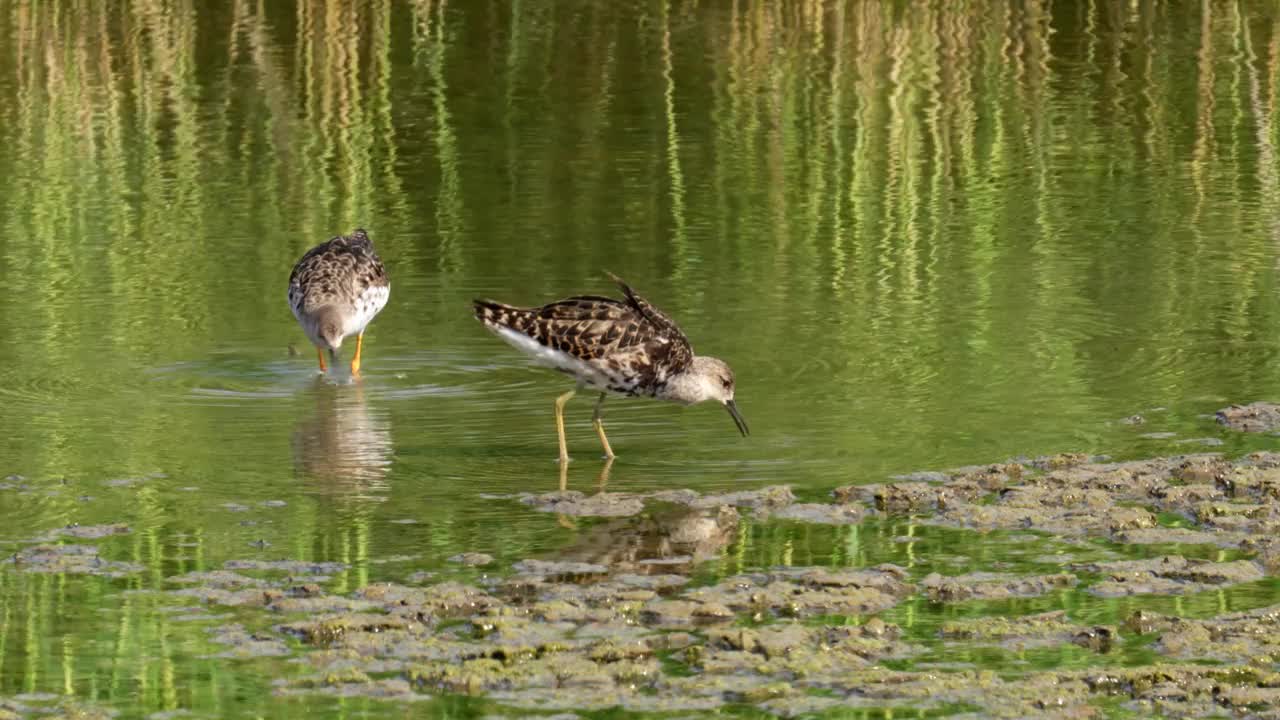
(602, 478)
(343, 444)
(669, 540)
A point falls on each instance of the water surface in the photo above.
(922, 237)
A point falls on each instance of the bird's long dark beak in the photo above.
(333, 355)
(737, 418)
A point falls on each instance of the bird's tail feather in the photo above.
(496, 314)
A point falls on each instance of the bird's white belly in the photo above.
(366, 307)
(583, 372)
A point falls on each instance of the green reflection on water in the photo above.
(923, 235)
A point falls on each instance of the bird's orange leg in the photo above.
(355, 361)
(320, 354)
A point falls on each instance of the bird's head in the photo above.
(712, 379)
(329, 329)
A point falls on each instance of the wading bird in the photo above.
(625, 347)
(336, 290)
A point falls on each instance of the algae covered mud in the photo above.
(925, 236)
(1139, 588)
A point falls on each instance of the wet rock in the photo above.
(765, 499)
(1245, 699)
(905, 498)
(329, 629)
(549, 698)
(1021, 633)
(563, 671)
(1168, 575)
(1120, 519)
(683, 496)
(75, 559)
(806, 592)
(1061, 460)
(821, 514)
(668, 704)
(1202, 469)
(991, 586)
(652, 582)
(444, 600)
(1255, 417)
(1235, 637)
(1174, 536)
(576, 504)
(607, 597)
(561, 570)
(1099, 639)
(246, 645)
(683, 613)
(803, 705)
(791, 649)
(1177, 496)
(1260, 484)
(308, 599)
(510, 637)
(353, 683)
(472, 559)
(250, 596)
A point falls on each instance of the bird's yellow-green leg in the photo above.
(355, 361)
(564, 447)
(598, 421)
(320, 354)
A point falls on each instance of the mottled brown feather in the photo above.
(336, 273)
(630, 341)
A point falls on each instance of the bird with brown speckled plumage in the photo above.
(625, 347)
(336, 290)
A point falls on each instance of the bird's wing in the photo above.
(674, 348)
(588, 327)
(339, 270)
(629, 336)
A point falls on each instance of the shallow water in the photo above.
(922, 238)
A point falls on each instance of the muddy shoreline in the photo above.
(620, 620)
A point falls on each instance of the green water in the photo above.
(922, 238)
